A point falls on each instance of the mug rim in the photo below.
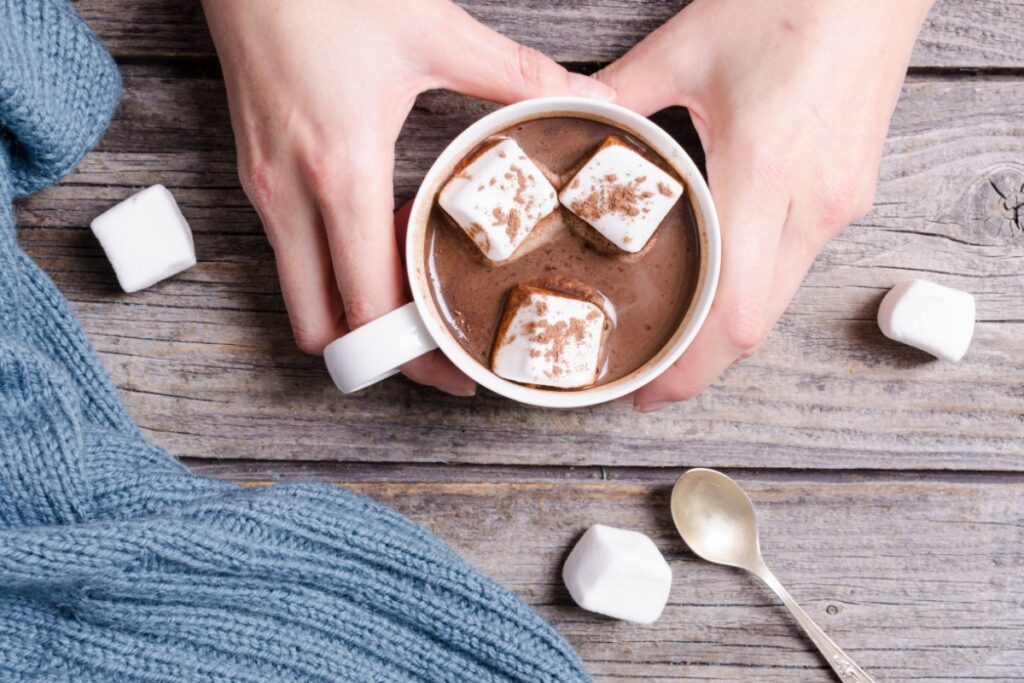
(701, 203)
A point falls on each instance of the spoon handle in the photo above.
(845, 669)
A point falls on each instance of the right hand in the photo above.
(318, 93)
(792, 102)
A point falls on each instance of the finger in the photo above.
(800, 244)
(303, 260)
(752, 214)
(354, 196)
(485, 64)
(814, 219)
(658, 72)
(433, 369)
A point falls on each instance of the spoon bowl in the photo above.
(716, 519)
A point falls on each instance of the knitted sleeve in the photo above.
(116, 562)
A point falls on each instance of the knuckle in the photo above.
(530, 69)
(309, 340)
(746, 329)
(333, 171)
(865, 197)
(327, 169)
(844, 199)
(359, 310)
(257, 180)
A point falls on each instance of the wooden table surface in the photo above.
(891, 487)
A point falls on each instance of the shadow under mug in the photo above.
(377, 350)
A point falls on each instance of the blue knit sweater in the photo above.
(116, 563)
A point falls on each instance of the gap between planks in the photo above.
(291, 471)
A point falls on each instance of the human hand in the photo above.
(318, 93)
(792, 102)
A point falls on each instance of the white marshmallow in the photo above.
(622, 195)
(618, 573)
(146, 238)
(549, 339)
(498, 199)
(938, 320)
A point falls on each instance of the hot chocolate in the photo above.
(645, 276)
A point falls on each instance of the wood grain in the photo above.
(957, 34)
(918, 578)
(207, 365)
(904, 541)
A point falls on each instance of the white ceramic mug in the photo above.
(377, 350)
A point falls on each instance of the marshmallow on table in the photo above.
(621, 194)
(549, 338)
(145, 238)
(938, 320)
(498, 199)
(618, 573)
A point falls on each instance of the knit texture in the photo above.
(116, 563)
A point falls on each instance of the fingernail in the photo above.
(652, 407)
(585, 86)
(461, 390)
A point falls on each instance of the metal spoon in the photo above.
(716, 519)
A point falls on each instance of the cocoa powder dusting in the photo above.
(578, 329)
(521, 185)
(613, 198)
(665, 189)
(512, 225)
(557, 336)
(623, 199)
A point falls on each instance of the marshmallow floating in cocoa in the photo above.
(621, 194)
(146, 238)
(551, 337)
(938, 320)
(618, 573)
(498, 199)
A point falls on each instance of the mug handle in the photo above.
(378, 349)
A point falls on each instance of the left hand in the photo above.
(792, 102)
(318, 92)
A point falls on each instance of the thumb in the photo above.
(480, 62)
(660, 71)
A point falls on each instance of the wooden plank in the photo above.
(918, 578)
(958, 33)
(208, 367)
